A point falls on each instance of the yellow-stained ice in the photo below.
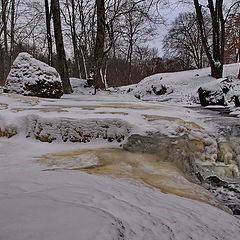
(137, 168)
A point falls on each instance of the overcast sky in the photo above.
(169, 14)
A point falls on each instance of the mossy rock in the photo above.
(44, 89)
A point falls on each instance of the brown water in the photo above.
(190, 125)
(53, 109)
(134, 167)
(110, 105)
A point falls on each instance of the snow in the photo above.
(27, 71)
(56, 204)
(182, 86)
(59, 205)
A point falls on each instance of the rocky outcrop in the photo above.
(177, 150)
(31, 77)
(211, 97)
(149, 90)
(76, 130)
(8, 131)
(220, 92)
(227, 192)
(159, 90)
(215, 167)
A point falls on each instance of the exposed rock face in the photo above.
(208, 97)
(216, 173)
(157, 90)
(31, 77)
(8, 132)
(236, 101)
(227, 192)
(190, 155)
(73, 130)
(220, 92)
(171, 149)
(161, 90)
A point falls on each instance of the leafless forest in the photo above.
(107, 41)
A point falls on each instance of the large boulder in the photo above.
(220, 92)
(217, 92)
(31, 77)
(211, 97)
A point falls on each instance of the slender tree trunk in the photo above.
(130, 53)
(12, 31)
(61, 56)
(99, 45)
(5, 47)
(74, 39)
(49, 35)
(84, 63)
(239, 74)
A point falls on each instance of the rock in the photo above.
(236, 101)
(197, 146)
(171, 149)
(228, 193)
(215, 181)
(211, 97)
(76, 130)
(220, 92)
(226, 153)
(159, 90)
(8, 132)
(31, 77)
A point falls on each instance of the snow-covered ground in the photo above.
(181, 87)
(38, 202)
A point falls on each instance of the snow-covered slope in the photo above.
(181, 87)
(41, 202)
(36, 204)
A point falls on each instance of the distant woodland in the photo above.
(107, 41)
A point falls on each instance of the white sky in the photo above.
(169, 14)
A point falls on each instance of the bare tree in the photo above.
(49, 35)
(232, 53)
(183, 41)
(70, 19)
(12, 32)
(137, 25)
(99, 45)
(216, 54)
(4, 5)
(61, 56)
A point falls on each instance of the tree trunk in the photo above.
(99, 45)
(84, 63)
(239, 74)
(12, 31)
(61, 56)
(49, 35)
(216, 58)
(74, 41)
(217, 70)
(130, 52)
(5, 46)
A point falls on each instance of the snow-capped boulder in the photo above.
(31, 77)
(142, 91)
(217, 92)
(236, 101)
(220, 92)
(211, 97)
